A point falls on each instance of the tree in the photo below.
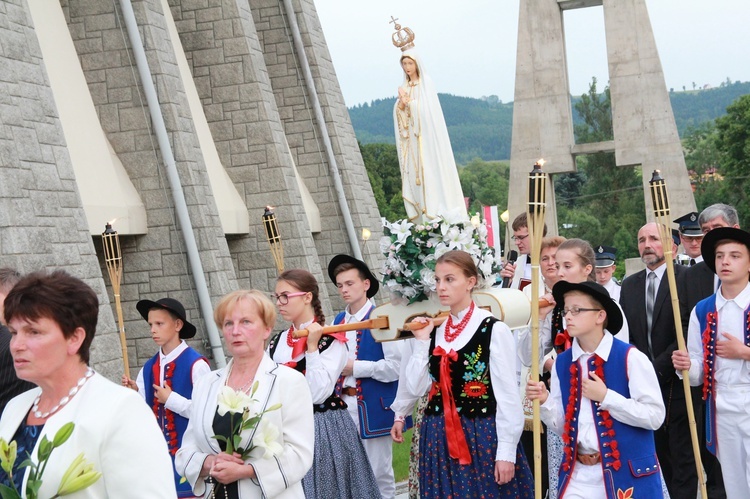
(384, 172)
(485, 183)
(702, 161)
(733, 143)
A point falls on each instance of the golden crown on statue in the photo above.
(403, 38)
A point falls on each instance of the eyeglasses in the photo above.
(577, 310)
(519, 238)
(284, 299)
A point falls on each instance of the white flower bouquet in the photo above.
(411, 251)
(239, 403)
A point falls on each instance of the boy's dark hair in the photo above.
(521, 221)
(349, 266)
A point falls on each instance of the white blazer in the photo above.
(278, 477)
(116, 432)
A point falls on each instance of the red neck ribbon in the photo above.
(454, 433)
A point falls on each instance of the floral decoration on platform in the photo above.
(411, 251)
(238, 402)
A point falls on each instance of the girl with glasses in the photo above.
(340, 466)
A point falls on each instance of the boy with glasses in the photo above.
(604, 401)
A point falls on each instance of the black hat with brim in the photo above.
(708, 246)
(360, 265)
(144, 306)
(598, 293)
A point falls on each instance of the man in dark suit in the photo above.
(10, 385)
(646, 301)
(697, 283)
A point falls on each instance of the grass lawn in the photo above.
(401, 458)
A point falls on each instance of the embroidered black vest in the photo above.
(470, 376)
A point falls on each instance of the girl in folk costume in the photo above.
(604, 401)
(429, 178)
(575, 261)
(719, 353)
(469, 435)
(340, 468)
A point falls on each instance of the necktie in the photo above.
(650, 299)
(692, 262)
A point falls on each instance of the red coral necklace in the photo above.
(451, 331)
(290, 339)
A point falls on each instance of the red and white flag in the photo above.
(493, 226)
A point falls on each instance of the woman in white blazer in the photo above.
(52, 319)
(246, 318)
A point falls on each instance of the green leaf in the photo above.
(8, 493)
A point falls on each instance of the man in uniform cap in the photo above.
(691, 237)
(605, 267)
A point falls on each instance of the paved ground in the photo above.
(402, 489)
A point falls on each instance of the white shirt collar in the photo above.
(659, 271)
(359, 315)
(166, 359)
(742, 300)
(698, 259)
(462, 313)
(602, 350)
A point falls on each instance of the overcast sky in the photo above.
(469, 47)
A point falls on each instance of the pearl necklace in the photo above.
(44, 415)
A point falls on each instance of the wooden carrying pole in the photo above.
(663, 220)
(113, 259)
(535, 220)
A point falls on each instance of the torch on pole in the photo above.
(660, 202)
(271, 225)
(113, 259)
(535, 219)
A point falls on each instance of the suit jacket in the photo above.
(279, 476)
(115, 431)
(663, 335)
(693, 285)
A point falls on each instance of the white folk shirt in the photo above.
(613, 289)
(731, 320)
(644, 408)
(322, 369)
(509, 416)
(385, 370)
(176, 402)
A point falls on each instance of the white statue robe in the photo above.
(430, 184)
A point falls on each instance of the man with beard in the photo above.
(647, 304)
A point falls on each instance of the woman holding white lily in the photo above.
(250, 433)
(90, 437)
(341, 469)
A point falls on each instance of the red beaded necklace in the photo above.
(452, 335)
(290, 339)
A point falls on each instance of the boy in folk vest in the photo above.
(605, 402)
(166, 380)
(370, 377)
(718, 355)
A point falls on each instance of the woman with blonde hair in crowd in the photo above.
(281, 442)
(341, 469)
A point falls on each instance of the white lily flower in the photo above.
(233, 401)
(402, 230)
(267, 438)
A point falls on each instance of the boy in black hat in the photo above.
(718, 355)
(166, 380)
(604, 401)
(370, 377)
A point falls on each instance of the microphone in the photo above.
(512, 257)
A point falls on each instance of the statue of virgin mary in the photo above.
(430, 184)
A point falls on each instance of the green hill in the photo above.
(481, 128)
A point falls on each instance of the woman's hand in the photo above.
(424, 333)
(504, 472)
(227, 469)
(537, 390)
(403, 98)
(128, 383)
(543, 311)
(314, 333)
(397, 432)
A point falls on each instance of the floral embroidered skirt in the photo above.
(340, 467)
(440, 476)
